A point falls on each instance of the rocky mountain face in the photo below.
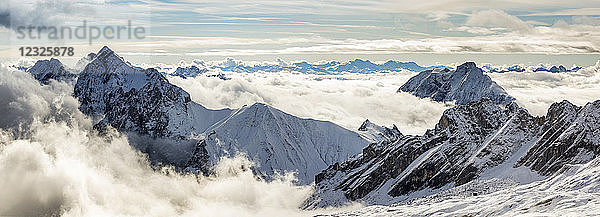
(463, 85)
(479, 140)
(142, 101)
(571, 135)
(46, 70)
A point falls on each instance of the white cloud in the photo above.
(536, 91)
(498, 19)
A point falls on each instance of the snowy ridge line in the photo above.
(477, 142)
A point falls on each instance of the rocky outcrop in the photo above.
(570, 135)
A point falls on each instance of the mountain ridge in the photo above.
(468, 141)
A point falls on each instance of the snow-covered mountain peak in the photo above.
(366, 125)
(46, 70)
(465, 84)
(105, 51)
(468, 66)
(375, 133)
(136, 99)
(280, 142)
(561, 110)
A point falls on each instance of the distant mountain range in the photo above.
(520, 68)
(329, 68)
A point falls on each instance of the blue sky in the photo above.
(316, 29)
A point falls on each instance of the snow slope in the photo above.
(280, 142)
(573, 192)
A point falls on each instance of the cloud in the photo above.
(498, 19)
(536, 91)
(25, 101)
(15, 13)
(346, 100)
(59, 167)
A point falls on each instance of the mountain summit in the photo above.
(140, 100)
(463, 85)
(46, 70)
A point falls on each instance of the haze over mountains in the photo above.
(484, 144)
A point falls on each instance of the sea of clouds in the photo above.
(349, 99)
(52, 163)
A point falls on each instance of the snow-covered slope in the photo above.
(573, 192)
(280, 142)
(53, 69)
(479, 140)
(463, 85)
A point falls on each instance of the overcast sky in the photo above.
(314, 29)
